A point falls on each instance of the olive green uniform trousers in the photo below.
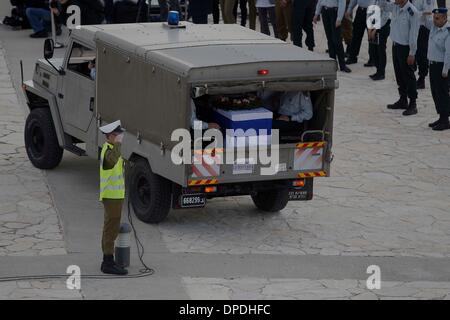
(111, 225)
(284, 19)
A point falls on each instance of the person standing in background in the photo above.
(332, 12)
(377, 44)
(405, 23)
(283, 13)
(359, 28)
(252, 14)
(215, 11)
(266, 13)
(424, 7)
(243, 8)
(199, 11)
(302, 20)
(439, 57)
(226, 6)
(166, 5)
(347, 30)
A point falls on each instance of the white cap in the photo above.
(111, 127)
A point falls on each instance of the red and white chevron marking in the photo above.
(205, 166)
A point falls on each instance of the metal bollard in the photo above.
(122, 250)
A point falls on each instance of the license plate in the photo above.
(298, 195)
(191, 200)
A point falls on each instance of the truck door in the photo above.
(79, 87)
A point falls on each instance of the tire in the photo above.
(271, 201)
(149, 193)
(41, 141)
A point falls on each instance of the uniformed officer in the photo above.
(359, 28)
(439, 57)
(404, 31)
(332, 12)
(112, 194)
(302, 20)
(424, 7)
(377, 43)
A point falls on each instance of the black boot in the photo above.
(412, 108)
(442, 124)
(110, 267)
(421, 83)
(376, 77)
(435, 123)
(402, 103)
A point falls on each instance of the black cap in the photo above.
(442, 10)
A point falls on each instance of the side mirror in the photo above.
(49, 48)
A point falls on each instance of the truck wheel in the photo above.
(150, 194)
(271, 201)
(41, 141)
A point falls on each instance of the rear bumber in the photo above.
(196, 196)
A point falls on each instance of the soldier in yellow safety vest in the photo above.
(112, 194)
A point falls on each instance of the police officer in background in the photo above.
(359, 28)
(332, 12)
(439, 57)
(424, 7)
(405, 22)
(377, 44)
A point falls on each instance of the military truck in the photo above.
(147, 75)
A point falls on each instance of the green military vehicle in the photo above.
(147, 76)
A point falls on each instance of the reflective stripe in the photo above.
(111, 178)
(121, 187)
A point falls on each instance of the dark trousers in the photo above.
(440, 3)
(200, 19)
(266, 16)
(359, 28)
(439, 89)
(422, 49)
(109, 11)
(243, 7)
(334, 38)
(215, 11)
(378, 51)
(302, 20)
(404, 73)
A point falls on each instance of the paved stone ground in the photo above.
(37, 290)
(305, 289)
(29, 224)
